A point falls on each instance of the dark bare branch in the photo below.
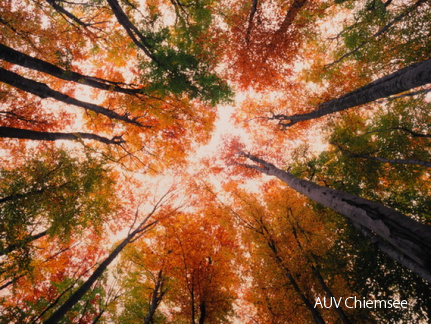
(12, 132)
(43, 91)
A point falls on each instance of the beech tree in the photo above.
(406, 240)
(402, 80)
(146, 224)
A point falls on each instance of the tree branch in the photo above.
(12, 132)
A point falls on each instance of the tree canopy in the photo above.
(208, 161)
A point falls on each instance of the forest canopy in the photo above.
(215, 161)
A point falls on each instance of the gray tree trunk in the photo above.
(12, 132)
(407, 236)
(15, 57)
(43, 91)
(410, 77)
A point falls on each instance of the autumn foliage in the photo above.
(136, 141)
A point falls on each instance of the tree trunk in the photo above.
(411, 238)
(319, 276)
(77, 295)
(15, 57)
(390, 251)
(203, 312)
(156, 298)
(63, 11)
(43, 91)
(402, 80)
(135, 35)
(329, 293)
(290, 16)
(314, 312)
(12, 132)
(393, 161)
(192, 304)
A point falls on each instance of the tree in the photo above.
(168, 95)
(407, 239)
(129, 89)
(287, 242)
(52, 194)
(12, 132)
(132, 236)
(58, 268)
(402, 80)
(264, 44)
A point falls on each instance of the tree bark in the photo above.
(328, 291)
(393, 253)
(203, 312)
(319, 276)
(156, 298)
(15, 57)
(43, 91)
(290, 16)
(411, 238)
(12, 132)
(63, 11)
(135, 35)
(410, 77)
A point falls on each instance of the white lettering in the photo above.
(380, 303)
(337, 304)
(324, 302)
(345, 302)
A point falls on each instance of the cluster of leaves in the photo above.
(55, 195)
(187, 264)
(265, 38)
(382, 28)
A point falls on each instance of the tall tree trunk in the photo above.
(411, 238)
(15, 57)
(203, 312)
(156, 298)
(66, 13)
(192, 302)
(318, 275)
(290, 16)
(12, 132)
(98, 317)
(329, 293)
(43, 91)
(410, 77)
(77, 295)
(135, 35)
